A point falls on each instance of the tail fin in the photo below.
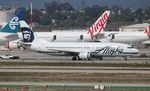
(99, 25)
(147, 31)
(13, 24)
(27, 33)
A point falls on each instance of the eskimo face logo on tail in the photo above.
(147, 31)
(13, 23)
(99, 25)
(27, 35)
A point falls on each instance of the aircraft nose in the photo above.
(131, 51)
(136, 51)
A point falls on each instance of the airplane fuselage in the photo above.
(103, 49)
(76, 36)
(65, 36)
(126, 37)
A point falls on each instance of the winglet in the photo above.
(99, 25)
(13, 24)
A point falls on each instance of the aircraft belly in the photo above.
(115, 55)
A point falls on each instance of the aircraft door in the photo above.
(54, 37)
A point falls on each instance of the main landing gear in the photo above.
(76, 58)
(125, 58)
(100, 58)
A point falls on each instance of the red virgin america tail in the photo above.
(99, 25)
(147, 31)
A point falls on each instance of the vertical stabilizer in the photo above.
(13, 25)
(99, 25)
(147, 31)
(27, 33)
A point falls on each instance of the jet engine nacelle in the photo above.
(12, 45)
(112, 36)
(89, 55)
(81, 37)
(54, 37)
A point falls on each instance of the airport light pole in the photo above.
(31, 13)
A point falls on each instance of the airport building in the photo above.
(134, 27)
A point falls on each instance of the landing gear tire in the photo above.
(88, 59)
(101, 58)
(125, 58)
(74, 58)
(79, 58)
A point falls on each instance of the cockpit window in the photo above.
(132, 46)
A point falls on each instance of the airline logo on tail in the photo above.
(99, 25)
(13, 23)
(28, 35)
(147, 31)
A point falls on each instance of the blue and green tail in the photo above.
(13, 25)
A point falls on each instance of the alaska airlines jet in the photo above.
(79, 50)
(9, 32)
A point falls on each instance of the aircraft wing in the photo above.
(12, 37)
(68, 51)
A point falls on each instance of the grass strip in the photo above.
(75, 77)
(75, 64)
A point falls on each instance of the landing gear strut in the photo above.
(125, 58)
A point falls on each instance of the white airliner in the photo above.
(127, 37)
(9, 32)
(68, 36)
(115, 37)
(79, 50)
